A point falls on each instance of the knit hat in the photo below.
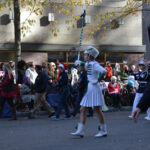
(61, 66)
(82, 64)
(142, 62)
(113, 78)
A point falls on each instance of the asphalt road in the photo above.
(45, 134)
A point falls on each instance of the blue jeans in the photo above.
(116, 99)
(63, 104)
(77, 105)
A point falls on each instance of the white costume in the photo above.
(74, 76)
(93, 96)
(31, 74)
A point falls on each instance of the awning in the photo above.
(40, 47)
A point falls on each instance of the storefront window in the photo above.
(113, 58)
(73, 56)
(53, 56)
(7, 56)
(100, 58)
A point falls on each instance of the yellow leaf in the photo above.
(55, 34)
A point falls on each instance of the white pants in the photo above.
(148, 112)
(137, 99)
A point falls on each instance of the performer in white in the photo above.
(93, 97)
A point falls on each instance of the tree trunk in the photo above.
(17, 33)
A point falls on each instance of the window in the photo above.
(100, 58)
(53, 56)
(73, 56)
(7, 56)
(113, 58)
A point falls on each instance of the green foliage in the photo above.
(123, 74)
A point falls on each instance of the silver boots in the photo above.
(102, 131)
(79, 131)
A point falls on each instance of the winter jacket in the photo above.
(113, 88)
(109, 72)
(144, 103)
(63, 82)
(41, 82)
(83, 81)
(8, 88)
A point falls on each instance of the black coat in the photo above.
(145, 100)
(41, 82)
(63, 82)
(83, 81)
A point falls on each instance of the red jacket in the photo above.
(8, 88)
(113, 88)
(109, 72)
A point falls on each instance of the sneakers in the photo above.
(52, 114)
(54, 118)
(130, 116)
(72, 114)
(147, 118)
(67, 117)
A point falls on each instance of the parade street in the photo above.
(45, 134)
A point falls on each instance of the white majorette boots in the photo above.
(79, 131)
(102, 131)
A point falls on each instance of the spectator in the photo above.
(52, 69)
(21, 71)
(26, 94)
(109, 71)
(114, 91)
(8, 90)
(31, 73)
(125, 67)
(132, 86)
(143, 79)
(132, 70)
(82, 88)
(63, 90)
(116, 70)
(12, 65)
(143, 105)
(40, 89)
(51, 86)
(44, 67)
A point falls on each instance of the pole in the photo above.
(81, 34)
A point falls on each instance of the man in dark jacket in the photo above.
(143, 105)
(63, 91)
(40, 89)
(82, 87)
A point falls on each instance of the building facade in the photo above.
(122, 43)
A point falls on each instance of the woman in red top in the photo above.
(114, 91)
(109, 71)
(8, 90)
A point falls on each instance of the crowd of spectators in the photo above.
(55, 87)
